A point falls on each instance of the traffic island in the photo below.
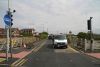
(2, 60)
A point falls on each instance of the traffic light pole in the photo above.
(90, 29)
(7, 46)
(10, 40)
(91, 41)
(8, 21)
(10, 37)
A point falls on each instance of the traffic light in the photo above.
(11, 24)
(10, 14)
(89, 24)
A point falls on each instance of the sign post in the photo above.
(8, 40)
(7, 20)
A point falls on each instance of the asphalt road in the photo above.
(47, 56)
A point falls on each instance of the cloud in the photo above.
(56, 15)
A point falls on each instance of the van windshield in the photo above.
(60, 37)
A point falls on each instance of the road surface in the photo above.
(47, 56)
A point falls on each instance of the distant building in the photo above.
(15, 32)
(27, 31)
(2, 32)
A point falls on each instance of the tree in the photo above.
(46, 33)
(82, 35)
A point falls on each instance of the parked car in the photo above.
(60, 41)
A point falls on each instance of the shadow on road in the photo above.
(50, 46)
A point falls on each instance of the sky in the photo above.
(54, 16)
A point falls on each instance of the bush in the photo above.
(43, 35)
(96, 36)
(26, 34)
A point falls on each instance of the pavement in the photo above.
(20, 53)
(96, 55)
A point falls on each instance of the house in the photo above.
(2, 32)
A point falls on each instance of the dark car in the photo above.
(51, 37)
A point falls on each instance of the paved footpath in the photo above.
(16, 57)
(18, 53)
(96, 55)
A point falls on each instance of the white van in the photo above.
(60, 41)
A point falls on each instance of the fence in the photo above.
(84, 44)
(19, 41)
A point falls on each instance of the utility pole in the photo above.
(70, 36)
(47, 30)
(43, 27)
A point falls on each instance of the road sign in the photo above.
(7, 20)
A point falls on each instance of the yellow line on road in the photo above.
(39, 47)
(22, 61)
(19, 63)
(12, 65)
(19, 60)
